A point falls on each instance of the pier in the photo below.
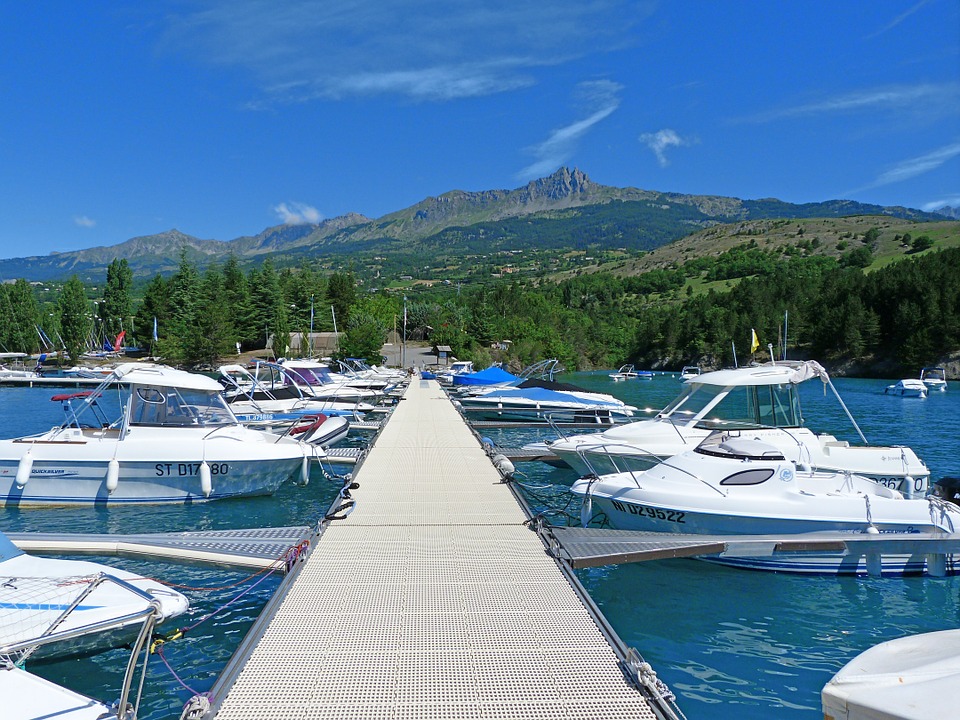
(432, 598)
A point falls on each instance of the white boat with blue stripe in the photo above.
(734, 484)
(148, 434)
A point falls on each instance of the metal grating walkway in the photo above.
(430, 600)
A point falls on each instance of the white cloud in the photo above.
(297, 214)
(83, 221)
(599, 98)
(304, 49)
(953, 201)
(659, 141)
(917, 166)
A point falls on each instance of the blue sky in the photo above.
(222, 118)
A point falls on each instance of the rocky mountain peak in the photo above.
(563, 184)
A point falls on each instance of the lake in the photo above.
(730, 643)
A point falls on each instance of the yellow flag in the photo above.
(754, 343)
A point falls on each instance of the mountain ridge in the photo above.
(566, 196)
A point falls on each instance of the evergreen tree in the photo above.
(75, 321)
(236, 296)
(183, 292)
(153, 312)
(21, 327)
(116, 308)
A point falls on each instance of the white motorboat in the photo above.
(689, 372)
(739, 485)
(89, 606)
(908, 678)
(315, 380)
(272, 389)
(935, 378)
(625, 372)
(541, 400)
(148, 434)
(762, 400)
(458, 367)
(908, 387)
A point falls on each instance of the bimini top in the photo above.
(763, 375)
(162, 376)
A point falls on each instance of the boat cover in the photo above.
(493, 375)
(910, 678)
(543, 395)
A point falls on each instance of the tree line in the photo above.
(906, 314)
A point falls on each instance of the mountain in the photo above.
(563, 210)
(948, 211)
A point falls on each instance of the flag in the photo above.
(117, 344)
(754, 343)
(154, 328)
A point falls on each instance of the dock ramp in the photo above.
(432, 598)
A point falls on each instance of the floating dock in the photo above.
(432, 598)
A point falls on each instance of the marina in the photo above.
(658, 607)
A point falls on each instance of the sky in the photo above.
(222, 118)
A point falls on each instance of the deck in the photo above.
(432, 599)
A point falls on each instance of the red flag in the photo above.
(119, 341)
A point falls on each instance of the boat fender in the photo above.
(206, 482)
(305, 471)
(586, 510)
(907, 486)
(113, 475)
(503, 465)
(25, 468)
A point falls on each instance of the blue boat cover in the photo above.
(491, 376)
(538, 394)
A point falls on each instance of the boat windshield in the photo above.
(715, 407)
(177, 407)
(311, 376)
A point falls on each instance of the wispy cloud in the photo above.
(599, 99)
(916, 166)
(928, 96)
(305, 49)
(83, 221)
(659, 141)
(297, 214)
(898, 19)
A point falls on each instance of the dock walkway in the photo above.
(432, 599)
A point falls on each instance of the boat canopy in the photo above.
(493, 375)
(163, 376)
(764, 375)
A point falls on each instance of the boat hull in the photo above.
(73, 469)
(626, 514)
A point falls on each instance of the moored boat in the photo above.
(148, 434)
(908, 387)
(935, 378)
(95, 604)
(738, 485)
(761, 401)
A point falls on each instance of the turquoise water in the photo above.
(729, 643)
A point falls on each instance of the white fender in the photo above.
(305, 471)
(25, 468)
(586, 510)
(206, 483)
(503, 465)
(113, 475)
(906, 486)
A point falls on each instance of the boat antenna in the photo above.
(733, 344)
(773, 360)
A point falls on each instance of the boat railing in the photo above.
(147, 617)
